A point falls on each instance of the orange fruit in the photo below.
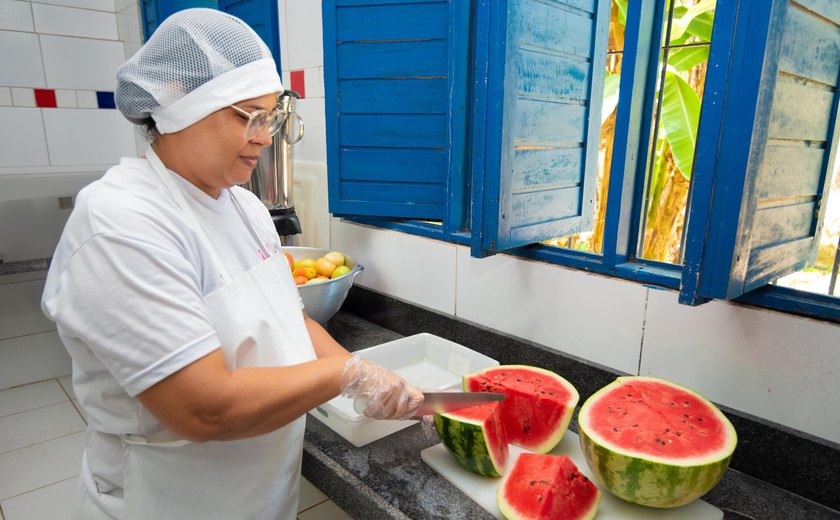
(290, 260)
(308, 272)
(301, 280)
(324, 267)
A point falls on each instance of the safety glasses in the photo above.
(261, 119)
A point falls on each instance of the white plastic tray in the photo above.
(427, 361)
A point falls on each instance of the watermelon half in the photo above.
(547, 487)
(475, 437)
(653, 442)
(538, 406)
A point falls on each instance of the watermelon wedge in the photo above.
(538, 407)
(475, 437)
(547, 487)
(653, 442)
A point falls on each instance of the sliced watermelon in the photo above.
(475, 437)
(653, 442)
(547, 487)
(538, 407)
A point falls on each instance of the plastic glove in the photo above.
(388, 396)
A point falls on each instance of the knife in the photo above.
(434, 402)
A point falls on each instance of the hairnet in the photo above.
(197, 62)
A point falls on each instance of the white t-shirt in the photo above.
(126, 288)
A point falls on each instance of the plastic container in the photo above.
(427, 361)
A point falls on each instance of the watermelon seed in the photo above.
(635, 426)
(679, 434)
(673, 403)
(702, 432)
(615, 429)
(533, 482)
(539, 499)
(699, 419)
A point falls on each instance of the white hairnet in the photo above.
(196, 62)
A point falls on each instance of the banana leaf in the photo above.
(686, 58)
(622, 11)
(680, 116)
(680, 25)
(611, 82)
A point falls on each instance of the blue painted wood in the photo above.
(765, 210)
(393, 22)
(393, 96)
(410, 59)
(153, 12)
(398, 74)
(644, 22)
(427, 166)
(546, 63)
(262, 16)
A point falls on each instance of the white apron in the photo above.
(258, 320)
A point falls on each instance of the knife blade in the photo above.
(434, 402)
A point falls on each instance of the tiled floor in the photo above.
(41, 443)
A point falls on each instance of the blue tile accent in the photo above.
(105, 99)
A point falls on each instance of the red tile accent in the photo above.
(45, 98)
(298, 83)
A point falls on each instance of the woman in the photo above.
(192, 360)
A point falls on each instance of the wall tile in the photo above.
(284, 39)
(88, 136)
(66, 98)
(22, 141)
(20, 61)
(313, 146)
(304, 33)
(70, 21)
(128, 25)
(559, 308)
(28, 359)
(5, 97)
(416, 269)
(15, 16)
(314, 82)
(20, 308)
(87, 99)
(78, 63)
(99, 5)
(23, 97)
(772, 365)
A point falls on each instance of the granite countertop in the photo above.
(387, 479)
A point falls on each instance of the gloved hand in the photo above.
(388, 396)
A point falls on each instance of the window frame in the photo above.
(643, 32)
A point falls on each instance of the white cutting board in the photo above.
(483, 489)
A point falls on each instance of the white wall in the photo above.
(71, 49)
(775, 366)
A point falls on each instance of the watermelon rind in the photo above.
(528, 492)
(650, 480)
(560, 425)
(468, 441)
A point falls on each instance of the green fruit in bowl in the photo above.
(340, 271)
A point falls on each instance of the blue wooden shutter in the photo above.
(263, 18)
(766, 147)
(545, 80)
(153, 12)
(395, 80)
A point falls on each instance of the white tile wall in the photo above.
(79, 63)
(416, 269)
(23, 97)
(15, 16)
(313, 146)
(558, 308)
(69, 21)
(303, 29)
(770, 364)
(5, 97)
(314, 79)
(99, 5)
(66, 99)
(107, 136)
(22, 140)
(20, 61)
(32, 358)
(87, 99)
(20, 309)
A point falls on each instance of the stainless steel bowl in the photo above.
(323, 299)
